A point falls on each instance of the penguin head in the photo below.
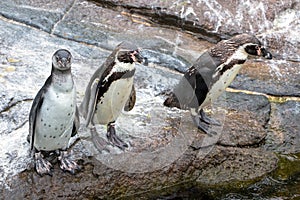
(257, 50)
(251, 45)
(129, 53)
(62, 59)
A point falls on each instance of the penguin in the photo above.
(54, 117)
(111, 90)
(211, 74)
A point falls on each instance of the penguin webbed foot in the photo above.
(203, 122)
(66, 164)
(200, 124)
(100, 143)
(113, 138)
(42, 166)
(208, 120)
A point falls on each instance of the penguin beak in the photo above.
(137, 57)
(63, 63)
(263, 52)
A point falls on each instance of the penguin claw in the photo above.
(114, 139)
(42, 166)
(203, 126)
(204, 118)
(99, 142)
(66, 164)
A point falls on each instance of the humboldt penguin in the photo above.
(110, 90)
(54, 117)
(211, 74)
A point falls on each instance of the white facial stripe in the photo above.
(120, 67)
(239, 54)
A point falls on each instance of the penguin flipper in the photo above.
(76, 123)
(184, 92)
(92, 101)
(131, 101)
(35, 109)
(192, 89)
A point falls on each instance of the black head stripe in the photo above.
(226, 48)
(125, 56)
(230, 65)
(252, 49)
(62, 53)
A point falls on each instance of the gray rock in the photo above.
(278, 78)
(283, 134)
(242, 109)
(38, 14)
(235, 164)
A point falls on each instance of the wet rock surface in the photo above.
(166, 152)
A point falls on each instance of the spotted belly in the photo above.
(113, 101)
(219, 86)
(54, 122)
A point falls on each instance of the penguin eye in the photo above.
(124, 56)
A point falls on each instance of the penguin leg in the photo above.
(98, 141)
(208, 120)
(113, 138)
(200, 123)
(42, 166)
(66, 164)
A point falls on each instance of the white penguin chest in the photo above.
(220, 85)
(55, 120)
(226, 78)
(113, 101)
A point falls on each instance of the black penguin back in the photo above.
(192, 89)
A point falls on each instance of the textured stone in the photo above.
(235, 164)
(242, 109)
(284, 135)
(106, 28)
(39, 14)
(278, 78)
